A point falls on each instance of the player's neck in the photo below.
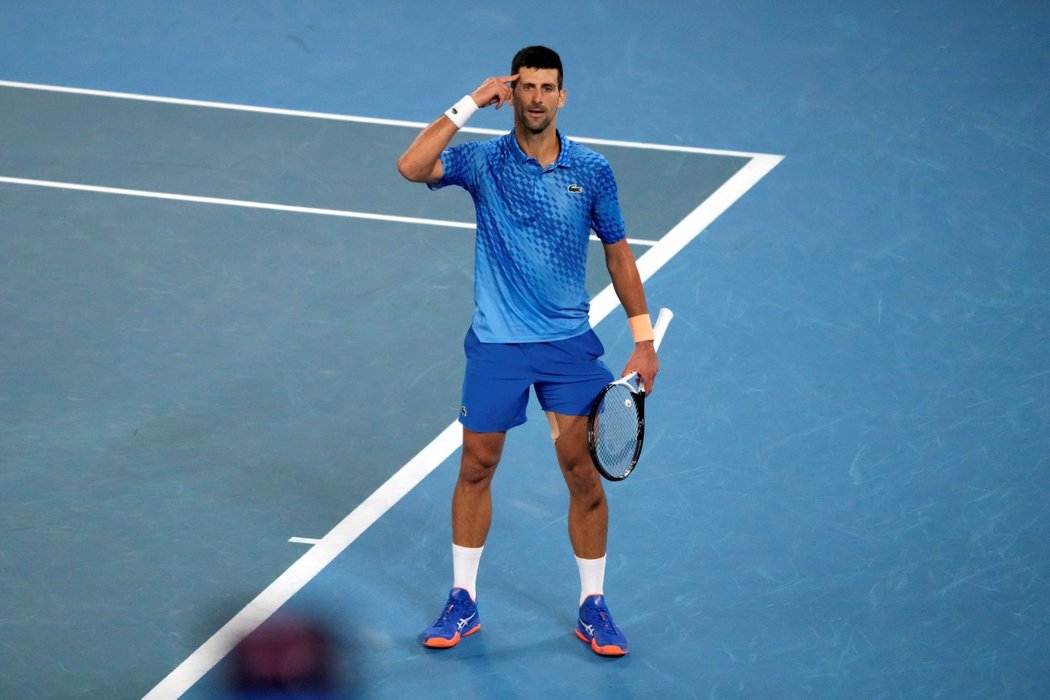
(544, 146)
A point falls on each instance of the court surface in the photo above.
(231, 349)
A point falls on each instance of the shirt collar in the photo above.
(564, 154)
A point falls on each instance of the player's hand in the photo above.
(494, 91)
(644, 362)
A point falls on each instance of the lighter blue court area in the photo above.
(231, 347)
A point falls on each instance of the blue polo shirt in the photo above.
(533, 226)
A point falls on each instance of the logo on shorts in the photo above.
(463, 411)
(575, 189)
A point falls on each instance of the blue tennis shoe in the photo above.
(459, 619)
(596, 627)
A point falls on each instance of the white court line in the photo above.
(345, 117)
(231, 202)
(325, 550)
(251, 204)
(270, 600)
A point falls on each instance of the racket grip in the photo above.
(663, 319)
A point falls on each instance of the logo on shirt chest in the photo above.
(574, 188)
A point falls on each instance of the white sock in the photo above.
(592, 577)
(465, 561)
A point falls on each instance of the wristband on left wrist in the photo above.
(641, 328)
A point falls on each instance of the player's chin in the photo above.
(537, 126)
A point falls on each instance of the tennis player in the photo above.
(537, 196)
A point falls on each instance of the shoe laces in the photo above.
(446, 613)
(450, 607)
(605, 620)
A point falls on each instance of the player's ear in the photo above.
(561, 98)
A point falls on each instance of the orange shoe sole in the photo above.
(607, 650)
(439, 643)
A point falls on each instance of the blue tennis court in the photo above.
(231, 343)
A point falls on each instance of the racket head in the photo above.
(616, 429)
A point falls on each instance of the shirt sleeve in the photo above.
(458, 166)
(606, 216)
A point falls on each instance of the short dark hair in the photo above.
(537, 57)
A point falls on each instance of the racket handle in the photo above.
(663, 319)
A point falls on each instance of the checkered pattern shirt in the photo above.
(533, 226)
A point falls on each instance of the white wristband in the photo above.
(463, 110)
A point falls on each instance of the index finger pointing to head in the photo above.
(508, 78)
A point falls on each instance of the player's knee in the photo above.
(583, 480)
(481, 452)
(588, 498)
(478, 466)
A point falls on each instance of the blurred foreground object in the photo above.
(288, 656)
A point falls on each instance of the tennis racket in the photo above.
(616, 422)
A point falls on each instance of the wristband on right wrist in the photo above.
(462, 111)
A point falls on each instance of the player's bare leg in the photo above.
(471, 517)
(588, 508)
(588, 530)
(472, 497)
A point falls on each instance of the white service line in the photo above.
(432, 456)
(232, 202)
(250, 204)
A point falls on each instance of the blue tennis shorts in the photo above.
(566, 375)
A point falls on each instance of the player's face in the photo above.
(537, 98)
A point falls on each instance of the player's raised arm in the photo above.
(422, 161)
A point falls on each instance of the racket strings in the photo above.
(616, 430)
